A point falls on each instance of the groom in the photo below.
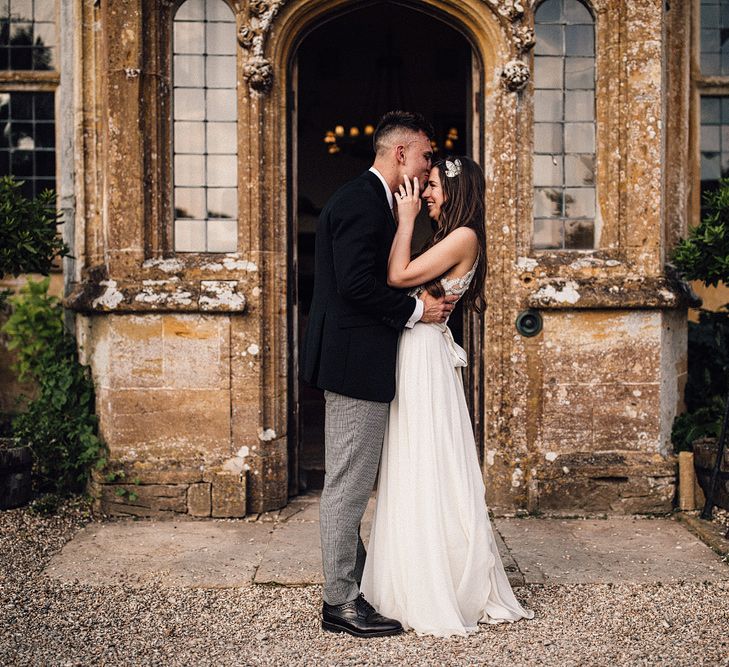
(350, 349)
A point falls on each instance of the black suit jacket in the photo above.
(350, 343)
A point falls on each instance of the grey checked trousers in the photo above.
(353, 433)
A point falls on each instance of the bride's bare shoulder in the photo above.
(464, 236)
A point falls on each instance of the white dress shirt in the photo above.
(419, 305)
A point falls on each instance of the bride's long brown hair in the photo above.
(463, 206)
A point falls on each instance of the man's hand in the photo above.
(437, 310)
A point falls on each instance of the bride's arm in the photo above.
(444, 255)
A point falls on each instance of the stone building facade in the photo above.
(584, 117)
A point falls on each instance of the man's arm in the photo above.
(417, 314)
(355, 238)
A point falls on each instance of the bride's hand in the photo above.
(408, 200)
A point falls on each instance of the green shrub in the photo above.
(702, 422)
(704, 256)
(29, 240)
(59, 425)
(708, 359)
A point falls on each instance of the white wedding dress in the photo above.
(432, 561)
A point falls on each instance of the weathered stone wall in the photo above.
(713, 298)
(594, 383)
(191, 353)
(164, 401)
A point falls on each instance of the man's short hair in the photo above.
(394, 121)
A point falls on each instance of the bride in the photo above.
(432, 561)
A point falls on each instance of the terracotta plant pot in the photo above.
(15, 481)
(704, 458)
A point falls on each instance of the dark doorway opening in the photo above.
(347, 73)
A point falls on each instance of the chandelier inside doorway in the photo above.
(359, 142)
(387, 89)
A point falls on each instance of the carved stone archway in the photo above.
(270, 35)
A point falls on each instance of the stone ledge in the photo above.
(168, 494)
(194, 283)
(609, 464)
(622, 293)
(613, 482)
(170, 295)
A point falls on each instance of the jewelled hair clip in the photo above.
(453, 169)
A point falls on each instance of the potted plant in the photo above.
(29, 243)
(704, 256)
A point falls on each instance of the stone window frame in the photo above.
(563, 154)
(205, 186)
(156, 127)
(134, 221)
(610, 143)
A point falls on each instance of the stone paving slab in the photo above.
(293, 556)
(206, 554)
(616, 550)
(283, 548)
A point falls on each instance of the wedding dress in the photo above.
(432, 561)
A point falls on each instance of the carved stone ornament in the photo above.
(523, 38)
(515, 75)
(245, 37)
(259, 74)
(258, 70)
(510, 9)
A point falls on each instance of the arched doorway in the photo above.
(345, 74)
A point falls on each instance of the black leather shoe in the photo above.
(359, 618)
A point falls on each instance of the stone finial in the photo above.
(515, 75)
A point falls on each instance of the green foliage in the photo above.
(35, 328)
(59, 425)
(708, 380)
(702, 422)
(708, 359)
(704, 256)
(121, 492)
(45, 505)
(29, 240)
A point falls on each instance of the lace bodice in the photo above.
(459, 286)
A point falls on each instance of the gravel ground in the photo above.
(721, 517)
(48, 623)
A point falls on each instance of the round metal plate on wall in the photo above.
(529, 323)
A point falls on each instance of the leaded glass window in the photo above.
(27, 140)
(564, 126)
(27, 101)
(714, 141)
(27, 34)
(714, 38)
(714, 60)
(205, 130)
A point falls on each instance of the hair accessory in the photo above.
(453, 169)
